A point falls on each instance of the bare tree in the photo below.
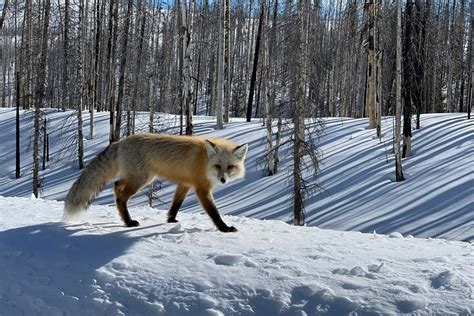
(220, 68)
(298, 113)
(123, 64)
(138, 71)
(111, 43)
(4, 13)
(398, 87)
(371, 70)
(187, 24)
(17, 128)
(471, 61)
(39, 93)
(227, 61)
(253, 78)
(266, 97)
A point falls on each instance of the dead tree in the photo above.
(123, 64)
(398, 106)
(39, 93)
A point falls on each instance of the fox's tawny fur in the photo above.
(189, 161)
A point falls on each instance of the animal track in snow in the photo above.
(443, 280)
(356, 271)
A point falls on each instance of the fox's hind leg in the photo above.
(123, 191)
(178, 199)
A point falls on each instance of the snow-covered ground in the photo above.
(99, 267)
(358, 192)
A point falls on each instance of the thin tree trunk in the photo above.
(17, 129)
(4, 13)
(110, 93)
(220, 68)
(449, 82)
(298, 114)
(95, 74)
(151, 106)
(45, 143)
(253, 78)
(266, 90)
(398, 107)
(65, 83)
(138, 69)
(471, 54)
(80, 105)
(227, 67)
(377, 72)
(39, 94)
(408, 79)
(187, 66)
(123, 64)
(371, 69)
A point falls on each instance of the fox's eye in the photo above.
(218, 167)
(231, 167)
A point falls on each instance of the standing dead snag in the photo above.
(398, 106)
(298, 113)
(39, 93)
(220, 68)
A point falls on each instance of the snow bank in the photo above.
(99, 267)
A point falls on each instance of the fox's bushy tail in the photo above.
(101, 170)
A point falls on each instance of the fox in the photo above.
(192, 162)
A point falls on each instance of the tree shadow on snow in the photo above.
(48, 268)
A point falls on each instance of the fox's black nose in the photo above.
(223, 180)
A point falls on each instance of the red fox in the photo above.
(190, 161)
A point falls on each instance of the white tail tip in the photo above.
(72, 214)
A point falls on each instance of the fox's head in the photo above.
(224, 162)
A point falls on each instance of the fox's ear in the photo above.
(211, 148)
(241, 151)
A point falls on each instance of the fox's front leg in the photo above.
(207, 202)
(178, 199)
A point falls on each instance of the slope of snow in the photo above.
(99, 267)
(358, 192)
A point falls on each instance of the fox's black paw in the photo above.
(133, 223)
(172, 220)
(228, 229)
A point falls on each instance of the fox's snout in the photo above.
(222, 180)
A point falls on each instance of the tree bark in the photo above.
(371, 69)
(188, 44)
(471, 59)
(227, 61)
(138, 69)
(81, 84)
(65, 83)
(17, 128)
(123, 64)
(4, 13)
(298, 114)
(39, 94)
(398, 107)
(266, 90)
(408, 79)
(253, 78)
(110, 93)
(220, 68)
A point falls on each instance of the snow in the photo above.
(361, 252)
(99, 267)
(358, 191)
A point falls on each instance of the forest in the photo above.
(358, 192)
(284, 62)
